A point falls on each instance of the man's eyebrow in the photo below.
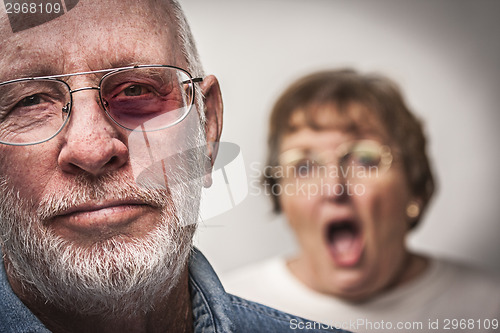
(25, 71)
(126, 63)
(133, 62)
(22, 69)
(28, 72)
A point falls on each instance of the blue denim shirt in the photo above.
(214, 310)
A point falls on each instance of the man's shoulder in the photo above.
(215, 310)
(255, 317)
(14, 315)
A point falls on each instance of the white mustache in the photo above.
(83, 191)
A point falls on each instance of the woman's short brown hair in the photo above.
(382, 106)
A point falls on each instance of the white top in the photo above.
(444, 298)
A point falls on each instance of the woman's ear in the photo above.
(212, 100)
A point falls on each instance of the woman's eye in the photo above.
(305, 167)
(30, 101)
(366, 159)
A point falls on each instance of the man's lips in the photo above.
(97, 206)
(102, 215)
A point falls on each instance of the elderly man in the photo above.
(105, 141)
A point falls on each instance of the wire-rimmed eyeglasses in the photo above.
(137, 98)
(359, 160)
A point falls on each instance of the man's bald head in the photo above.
(161, 14)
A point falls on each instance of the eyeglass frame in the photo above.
(108, 72)
(386, 157)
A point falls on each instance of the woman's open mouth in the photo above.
(344, 241)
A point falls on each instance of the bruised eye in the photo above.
(30, 101)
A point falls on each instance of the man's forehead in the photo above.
(5, 28)
(115, 33)
(86, 9)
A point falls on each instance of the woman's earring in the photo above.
(413, 210)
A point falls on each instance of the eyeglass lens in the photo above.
(147, 99)
(360, 161)
(138, 99)
(31, 111)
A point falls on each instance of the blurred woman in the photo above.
(347, 166)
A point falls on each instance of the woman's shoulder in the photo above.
(463, 273)
(259, 275)
(470, 280)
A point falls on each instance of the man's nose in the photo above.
(91, 142)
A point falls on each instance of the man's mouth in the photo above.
(104, 216)
(98, 206)
(344, 242)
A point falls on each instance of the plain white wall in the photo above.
(444, 54)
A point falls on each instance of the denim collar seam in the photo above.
(205, 305)
(283, 318)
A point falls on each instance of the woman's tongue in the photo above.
(344, 244)
(342, 240)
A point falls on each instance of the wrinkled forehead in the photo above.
(353, 118)
(92, 35)
(83, 14)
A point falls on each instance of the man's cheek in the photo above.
(28, 181)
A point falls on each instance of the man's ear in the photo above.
(212, 99)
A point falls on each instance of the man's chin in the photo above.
(115, 275)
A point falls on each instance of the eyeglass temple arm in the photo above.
(194, 80)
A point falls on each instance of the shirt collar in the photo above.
(210, 303)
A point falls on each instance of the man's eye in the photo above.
(135, 90)
(30, 101)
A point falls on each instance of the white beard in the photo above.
(111, 277)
